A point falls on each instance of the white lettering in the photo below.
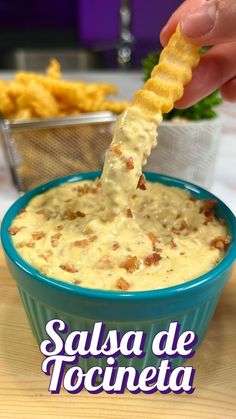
(56, 339)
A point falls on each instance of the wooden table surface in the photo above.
(23, 387)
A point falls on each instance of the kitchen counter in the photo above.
(23, 387)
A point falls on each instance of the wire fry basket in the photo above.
(41, 150)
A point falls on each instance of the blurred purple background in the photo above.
(98, 20)
(37, 14)
(89, 24)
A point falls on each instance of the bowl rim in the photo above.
(93, 293)
(216, 121)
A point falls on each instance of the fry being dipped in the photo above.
(135, 131)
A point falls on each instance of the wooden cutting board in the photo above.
(23, 387)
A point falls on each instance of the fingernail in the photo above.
(162, 35)
(164, 29)
(200, 21)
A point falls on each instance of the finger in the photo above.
(204, 22)
(210, 23)
(170, 27)
(215, 69)
(228, 90)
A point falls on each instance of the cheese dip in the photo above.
(167, 238)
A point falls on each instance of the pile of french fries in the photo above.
(31, 95)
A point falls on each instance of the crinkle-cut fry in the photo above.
(51, 84)
(168, 77)
(104, 88)
(113, 106)
(54, 69)
(7, 105)
(75, 94)
(63, 86)
(135, 130)
(24, 113)
(40, 96)
(102, 105)
(39, 100)
(15, 89)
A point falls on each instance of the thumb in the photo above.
(211, 22)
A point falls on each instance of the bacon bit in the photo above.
(157, 249)
(152, 259)
(208, 208)
(172, 244)
(54, 242)
(37, 235)
(72, 215)
(45, 256)
(220, 242)
(208, 220)
(80, 214)
(115, 246)
(81, 243)
(142, 183)
(20, 245)
(131, 264)
(122, 284)
(25, 244)
(54, 239)
(47, 213)
(69, 268)
(97, 182)
(130, 163)
(152, 237)
(59, 227)
(117, 150)
(14, 230)
(105, 263)
(41, 211)
(22, 210)
(76, 281)
(84, 189)
(183, 225)
(129, 213)
(192, 198)
(56, 236)
(93, 238)
(175, 230)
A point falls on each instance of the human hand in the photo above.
(208, 22)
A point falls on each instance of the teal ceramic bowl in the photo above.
(191, 304)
